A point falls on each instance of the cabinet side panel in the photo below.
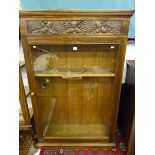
(118, 82)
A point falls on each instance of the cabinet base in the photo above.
(75, 145)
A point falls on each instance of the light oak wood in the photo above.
(75, 93)
(125, 13)
(71, 145)
(77, 131)
(76, 75)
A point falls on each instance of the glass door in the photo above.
(75, 89)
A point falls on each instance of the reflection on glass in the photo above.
(64, 60)
(73, 95)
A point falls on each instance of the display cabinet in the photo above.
(74, 61)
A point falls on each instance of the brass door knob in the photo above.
(45, 83)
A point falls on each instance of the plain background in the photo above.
(145, 77)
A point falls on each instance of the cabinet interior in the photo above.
(75, 60)
(75, 89)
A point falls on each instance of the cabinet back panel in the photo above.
(50, 56)
(70, 102)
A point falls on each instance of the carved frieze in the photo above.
(74, 26)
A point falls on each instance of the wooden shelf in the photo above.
(76, 131)
(77, 145)
(76, 75)
(81, 72)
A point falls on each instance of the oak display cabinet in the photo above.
(74, 60)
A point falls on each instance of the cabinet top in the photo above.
(45, 23)
(49, 13)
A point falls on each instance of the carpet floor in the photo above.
(118, 150)
(25, 143)
(26, 146)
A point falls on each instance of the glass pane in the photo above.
(75, 108)
(75, 89)
(74, 60)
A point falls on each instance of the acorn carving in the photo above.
(98, 24)
(44, 30)
(71, 30)
(103, 30)
(77, 30)
(74, 24)
(49, 24)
